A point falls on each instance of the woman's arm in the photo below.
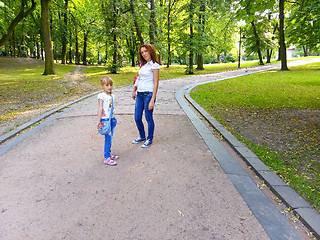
(100, 101)
(134, 94)
(155, 88)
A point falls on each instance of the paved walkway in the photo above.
(54, 184)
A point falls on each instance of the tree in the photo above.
(283, 53)
(201, 29)
(303, 25)
(256, 14)
(64, 33)
(46, 35)
(136, 24)
(191, 37)
(152, 23)
(170, 9)
(22, 14)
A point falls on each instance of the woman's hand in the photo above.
(134, 94)
(99, 125)
(151, 105)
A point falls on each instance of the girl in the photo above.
(105, 104)
(145, 92)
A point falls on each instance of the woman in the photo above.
(145, 91)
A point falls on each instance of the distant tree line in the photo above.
(189, 32)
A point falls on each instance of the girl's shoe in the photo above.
(110, 162)
(114, 157)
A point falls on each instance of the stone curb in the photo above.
(308, 215)
(28, 124)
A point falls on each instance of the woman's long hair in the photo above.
(153, 53)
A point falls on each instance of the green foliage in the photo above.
(304, 24)
(215, 30)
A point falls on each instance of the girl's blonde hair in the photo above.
(106, 80)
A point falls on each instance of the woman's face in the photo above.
(145, 54)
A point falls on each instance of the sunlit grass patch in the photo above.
(23, 87)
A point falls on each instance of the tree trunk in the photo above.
(168, 33)
(190, 67)
(64, 33)
(46, 34)
(169, 55)
(269, 54)
(85, 39)
(115, 54)
(14, 43)
(77, 47)
(21, 46)
(42, 47)
(106, 53)
(305, 51)
(38, 49)
(257, 40)
(138, 30)
(114, 66)
(202, 28)
(131, 43)
(152, 23)
(22, 14)
(200, 61)
(283, 50)
(70, 48)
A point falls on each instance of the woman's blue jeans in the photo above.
(108, 137)
(142, 103)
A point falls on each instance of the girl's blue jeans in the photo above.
(108, 137)
(142, 103)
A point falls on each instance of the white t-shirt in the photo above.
(145, 83)
(107, 104)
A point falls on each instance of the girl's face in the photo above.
(145, 54)
(107, 87)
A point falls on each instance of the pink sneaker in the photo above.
(110, 162)
(114, 157)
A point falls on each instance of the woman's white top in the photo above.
(107, 104)
(144, 82)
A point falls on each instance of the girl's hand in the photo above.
(99, 126)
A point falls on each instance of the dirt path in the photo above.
(54, 185)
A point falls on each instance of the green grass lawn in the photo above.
(277, 115)
(23, 85)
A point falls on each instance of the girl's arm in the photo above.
(155, 88)
(100, 101)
